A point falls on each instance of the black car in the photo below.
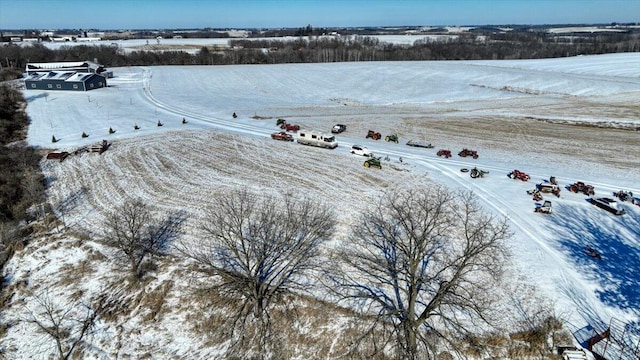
(338, 128)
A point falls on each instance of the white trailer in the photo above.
(315, 138)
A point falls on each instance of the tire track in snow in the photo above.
(567, 279)
(255, 130)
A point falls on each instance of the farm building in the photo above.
(64, 80)
(77, 76)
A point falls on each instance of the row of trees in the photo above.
(526, 45)
(425, 262)
(21, 181)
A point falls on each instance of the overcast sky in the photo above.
(182, 14)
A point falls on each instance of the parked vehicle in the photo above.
(284, 125)
(373, 162)
(545, 208)
(374, 135)
(338, 128)
(468, 152)
(314, 138)
(291, 127)
(361, 150)
(582, 187)
(392, 138)
(625, 196)
(545, 188)
(419, 144)
(608, 204)
(444, 152)
(520, 175)
(282, 135)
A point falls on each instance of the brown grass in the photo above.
(155, 300)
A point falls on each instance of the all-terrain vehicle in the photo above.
(373, 162)
(468, 152)
(444, 152)
(392, 138)
(374, 135)
(581, 187)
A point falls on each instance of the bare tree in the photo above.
(261, 248)
(138, 235)
(68, 325)
(424, 260)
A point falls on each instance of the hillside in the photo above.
(574, 118)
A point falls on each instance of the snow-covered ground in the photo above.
(538, 116)
(193, 45)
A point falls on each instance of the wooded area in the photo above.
(316, 49)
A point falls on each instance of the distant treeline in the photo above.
(467, 46)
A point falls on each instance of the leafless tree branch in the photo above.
(426, 260)
(138, 235)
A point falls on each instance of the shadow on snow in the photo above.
(616, 238)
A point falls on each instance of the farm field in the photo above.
(577, 119)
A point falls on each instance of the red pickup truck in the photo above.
(282, 135)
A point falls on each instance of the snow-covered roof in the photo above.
(63, 65)
(68, 76)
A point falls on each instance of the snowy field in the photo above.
(193, 45)
(573, 118)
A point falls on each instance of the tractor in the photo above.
(581, 187)
(291, 127)
(373, 162)
(444, 152)
(520, 175)
(392, 137)
(374, 135)
(466, 152)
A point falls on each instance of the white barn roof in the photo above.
(70, 76)
(62, 65)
